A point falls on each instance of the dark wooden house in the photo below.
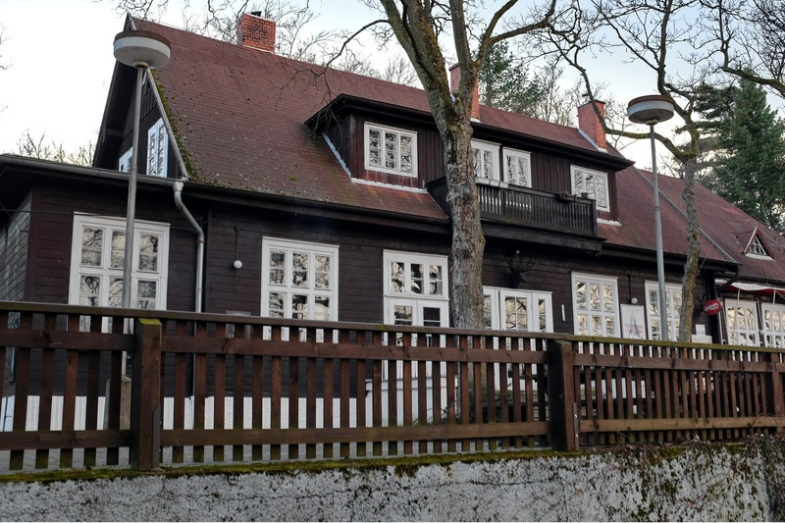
(321, 195)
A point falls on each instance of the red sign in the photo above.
(712, 307)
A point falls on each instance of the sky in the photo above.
(58, 64)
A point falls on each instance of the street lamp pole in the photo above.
(141, 50)
(651, 110)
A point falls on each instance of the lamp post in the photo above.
(651, 110)
(141, 50)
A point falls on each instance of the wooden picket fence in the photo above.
(236, 389)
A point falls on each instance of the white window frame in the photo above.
(412, 135)
(486, 147)
(672, 316)
(106, 272)
(514, 178)
(773, 325)
(497, 296)
(124, 163)
(575, 170)
(749, 335)
(756, 244)
(157, 149)
(602, 313)
(287, 288)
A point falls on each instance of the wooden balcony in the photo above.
(529, 208)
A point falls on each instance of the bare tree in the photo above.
(656, 34)
(750, 39)
(41, 148)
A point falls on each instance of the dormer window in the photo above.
(390, 150)
(157, 145)
(594, 184)
(517, 166)
(756, 248)
(486, 160)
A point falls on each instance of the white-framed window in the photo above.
(390, 150)
(773, 325)
(673, 300)
(593, 183)
(415, 289)
(517, 167)
(299, 280)
(157, 149)
(124, 163)
(486, 160)
(518, 310)
(595, 305)
(742, 322)
(97, 261)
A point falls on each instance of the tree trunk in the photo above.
(693, 253)
(468, 242)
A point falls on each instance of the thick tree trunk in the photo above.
(468, 242)
(693, 253)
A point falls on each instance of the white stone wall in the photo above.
(702, 483)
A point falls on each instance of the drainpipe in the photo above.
(178, 200)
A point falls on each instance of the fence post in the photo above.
(561, 395)
(777, 393)
(146, 396)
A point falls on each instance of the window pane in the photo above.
(390, 150)
(115, 292)
(601, 192)
(299, 307)
(406, 154)
(118, 249)
(321, 308)
(322, 272)
(148, 252)
(594, 296)
(92, 246)
(374, 148)
(300, 269)
(487, 158)
(436, 280)
(146, 294)
(610, 326)
(416, 278)
(403, 315)
(277, 267)
(90, 290)
(596, 325)
(608, 298)
(487, 312)
(431, 317)
(276, 304)
(580, 295)
(477, 163)
(397, 277)
(579, 188)
(543, 313)
(583, 325)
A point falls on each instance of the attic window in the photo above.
(594, 184)
(390, 150)
(124, 163)
(756, 248)
(157, 149)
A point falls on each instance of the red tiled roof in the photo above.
(635, 194)
(731, 229)
(240, 114)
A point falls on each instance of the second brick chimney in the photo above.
(455, 81)
(257, 32)
(591, 125)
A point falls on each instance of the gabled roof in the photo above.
(635, 197)
(240, 113)
(730, 229)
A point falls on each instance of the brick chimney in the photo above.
(591, 125)
(455, 81)
(257, 32)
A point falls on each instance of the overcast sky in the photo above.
(59, 62)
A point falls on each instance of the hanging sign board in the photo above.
(712, 307)
(633, 322)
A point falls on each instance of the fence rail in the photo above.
(216, 388)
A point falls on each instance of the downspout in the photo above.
(178, 200)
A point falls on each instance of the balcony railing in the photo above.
(528, 207)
